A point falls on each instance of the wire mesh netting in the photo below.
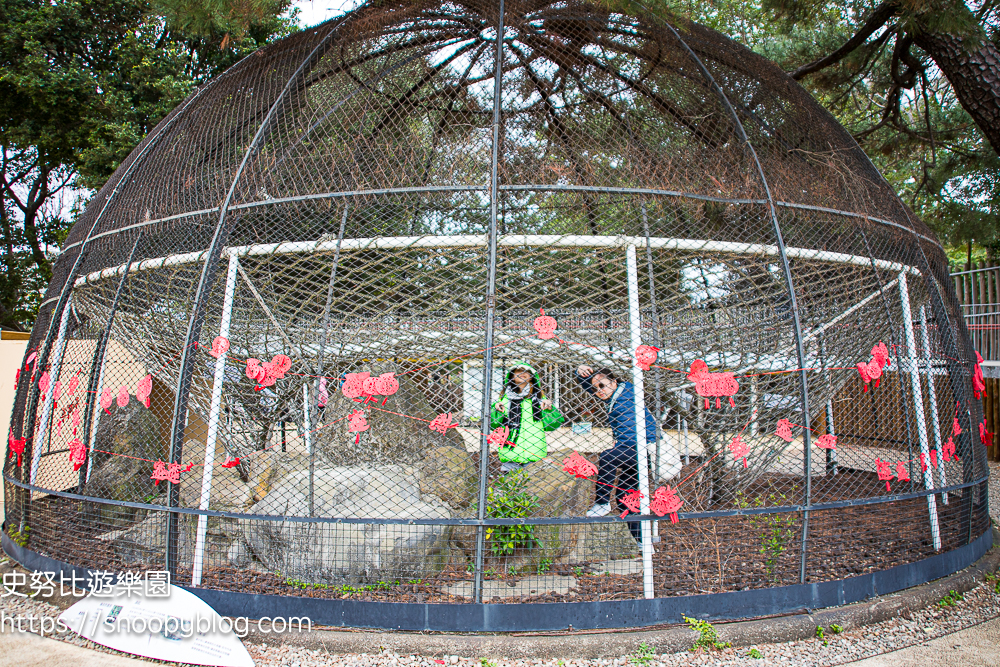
(397, 309)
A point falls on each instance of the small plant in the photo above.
(951, 599)
(507, 499)
(754, 653)
(708, 639)
(836, 629)
(774, 531)
(821, 635)
(643, 655)
(486, 663)
(578, 571)
(19, 538)
(544, 565)
(993, 579)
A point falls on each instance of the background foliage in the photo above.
(82, 81)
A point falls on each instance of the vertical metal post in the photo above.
(491, 278)
(307, 436)
(640, 420)
(43, 423)
(213, 425)
(831, 454)
(918, 404)
(687, 452)
(932, 397)
(322, 351)
(754, 397)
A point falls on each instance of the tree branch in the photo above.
(878, 18)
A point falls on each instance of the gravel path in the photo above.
(979, 605)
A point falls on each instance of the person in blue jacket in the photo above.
(619, 401)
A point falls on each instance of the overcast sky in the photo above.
(317, 11)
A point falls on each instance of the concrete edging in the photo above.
(591, 644)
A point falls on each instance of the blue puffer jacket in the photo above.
(621, 418)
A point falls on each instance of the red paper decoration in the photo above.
(869, 371)
(739, 449)
(143, 389)
(784, 430)
(948, 451)
(934, 458)
(956, 428)
(76, 419)
(230, 462)
(544, 325)
(77, 453)
(978, 384)
(356, 423)
(219, 346)
(74, 382)
(923, 462)
(665, 501)
(645, 356)
(985, 436)
(27, 362)
(268, 372)
(44, 382)
(56, 390)
(712, 385)
(162, 472)
(354, 385)
(827, 441)
(631, 500)
(880, 353)
(123, 396)
(16, 447)
(441, 423)
(498, 436)
(106, 400)
(902, 474)
(884, 473)
(578, 466)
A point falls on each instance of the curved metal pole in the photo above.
(43, 352)
(97, 373)
(197, 317)
(484, 447)
(793, 302)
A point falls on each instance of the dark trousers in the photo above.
(613, 460)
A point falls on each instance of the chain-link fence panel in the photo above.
(445, 304)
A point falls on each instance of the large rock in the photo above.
(134, 432)
(558, 494)
(349, 552)
(450, 474)
(144, 542)
(393, 436)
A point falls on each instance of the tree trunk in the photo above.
(972, 65)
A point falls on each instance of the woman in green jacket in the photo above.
(524, 410)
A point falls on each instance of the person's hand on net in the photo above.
(584, 371)
(546, 404)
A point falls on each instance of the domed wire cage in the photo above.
(400, 193)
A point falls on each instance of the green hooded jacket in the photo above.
(528, 422)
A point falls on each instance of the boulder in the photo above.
(133, 431)
(393, 436)
(450, 474)
(144, 542)
(559, 494)
(349, 552)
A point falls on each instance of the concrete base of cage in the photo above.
(561, 616)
